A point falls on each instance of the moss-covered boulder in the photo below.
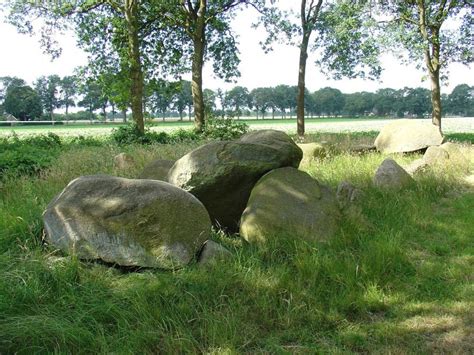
(157, 170)
(127, 222)
(222, 174)
(407, 135)
(289, 202)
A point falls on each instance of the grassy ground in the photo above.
(396, 279)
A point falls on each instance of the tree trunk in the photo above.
(136, 74)
(113, 111)
(436, 99)
(199, 42)
(124, 112)
(301, 83)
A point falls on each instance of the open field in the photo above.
(396, 279)
(336, 125)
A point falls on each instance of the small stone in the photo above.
(390, 175)
(123, 161)
(416, 166)
(213, 252)
(435, 156)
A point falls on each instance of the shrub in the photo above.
(185, 135)
(87, 141)
(130, 134)
(28, 156)
(224, 129)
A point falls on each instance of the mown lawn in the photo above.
(397, 278)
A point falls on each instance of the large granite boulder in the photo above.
(157, 170)
(222, 174)
(405, 135)
(127, 222)
(291, 203)
(392, 176)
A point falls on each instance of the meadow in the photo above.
(395, 279)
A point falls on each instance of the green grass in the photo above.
(397, 278)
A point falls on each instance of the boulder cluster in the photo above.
(251, 186)
(164, 217)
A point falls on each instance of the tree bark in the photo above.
(136, 74)
(436, 99)
(199, 43)
(301, 79)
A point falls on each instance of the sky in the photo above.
(22, 56)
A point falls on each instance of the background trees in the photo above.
(22, 102)
(341, 36)
(420, 27)
(47, 87)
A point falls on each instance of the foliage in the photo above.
(224, 129)
(27, 156)
(461, 100)
(422, 29)
(23, 102)
(130, 134)
(47, 88)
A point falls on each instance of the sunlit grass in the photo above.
(399, 282)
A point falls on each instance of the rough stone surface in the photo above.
(213, 252)
(416, 166)
(157, 170)
(311, 151)
(289, 202)
(347, 194)
(123, 161)
(222, 174)
(390, 175)
(407, 135)
(456, 155)
(127, 222)
(435, 155)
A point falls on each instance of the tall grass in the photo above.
(399, 281)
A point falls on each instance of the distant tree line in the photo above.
(174, 99)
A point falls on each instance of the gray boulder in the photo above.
(157, 170)
(222, 174)
(416, 166)
(291, 203)
(213, 252)
(123, 161)
(407, 135)
(127, 222)
(347, 194)
(390, 175)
